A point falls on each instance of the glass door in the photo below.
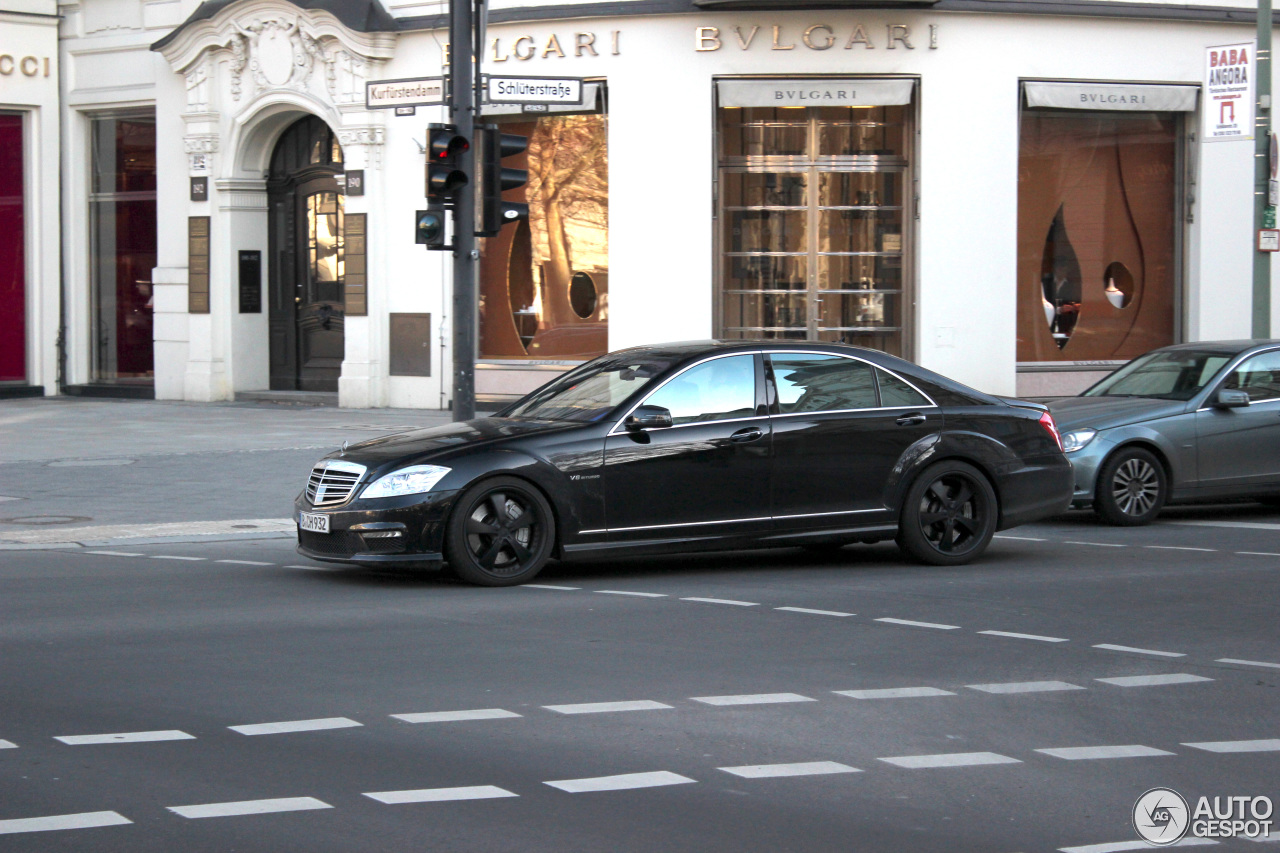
(813, 224)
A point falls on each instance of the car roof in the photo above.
(1225, 347)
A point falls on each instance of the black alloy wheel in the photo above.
(949, 515)
(500, 533)
(1132, 488)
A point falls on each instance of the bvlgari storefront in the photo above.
(977, 192)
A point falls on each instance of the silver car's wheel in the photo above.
(1132, 488)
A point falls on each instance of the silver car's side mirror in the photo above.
(1232, 398)
(648, 417)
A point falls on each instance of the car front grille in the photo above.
(333, 481)
(331, 544)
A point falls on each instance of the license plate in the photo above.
(315, 522)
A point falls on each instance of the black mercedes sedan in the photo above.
(695, 446)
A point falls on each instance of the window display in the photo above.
(1097, 202)
(13, 272)
(544, 283)
(812, 203)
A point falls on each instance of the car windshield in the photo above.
(1165, 375)
(591, 391)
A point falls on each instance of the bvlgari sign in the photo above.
(849, 92)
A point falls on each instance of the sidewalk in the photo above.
(91, 472)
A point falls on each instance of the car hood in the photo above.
(419, 444)
(1108, 412)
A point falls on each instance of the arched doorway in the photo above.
(306, 266)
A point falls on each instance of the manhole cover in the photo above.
(245, 526)
(45, 519)
(90, 463)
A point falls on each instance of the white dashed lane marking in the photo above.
(1084, 753)
(636, 594)
(620, 783)
(8, 744)
(295, 726)
(608, 707)
(814, 612)
(1021, 538)
(1249, 662)
(1272, 745)
(753, 699)
(124, 737)
(894, 693)
(440, 795)
(244, 562)
(1016, 636)
(1181, 548)
(114, 554)
(723, 601)
(1099, 544)
(454, 716)
(1025, 687)
(1110, 647)
(547, 586)
(84, 820)
(1257, 554)
(810, 768)
(1122, 846)
(247, 807)
(913, 624)
(174, 557)
(950, 759)
(1153, 680)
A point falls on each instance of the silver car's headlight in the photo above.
(407, 481)
(1077, 439)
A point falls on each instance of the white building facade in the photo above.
(1020, 200)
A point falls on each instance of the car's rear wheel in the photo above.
(1132, 488)
(949, 515)
(500, 533)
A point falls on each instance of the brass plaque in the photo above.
(354, 280)
(198, 265)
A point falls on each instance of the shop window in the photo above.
(544, 283)
(122, 210)
(813, 217)
(1097, 202)
(13, 273)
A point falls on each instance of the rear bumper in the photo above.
(1036, 492)
(405, 531)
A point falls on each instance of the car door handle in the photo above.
(747, 434)
(911, 419)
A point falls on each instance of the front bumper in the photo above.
(405, 531)
(1085, 463)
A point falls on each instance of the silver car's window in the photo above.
(1260, 376)
(715, 390)
(1164, 374)
(894, 392)
(823, 383)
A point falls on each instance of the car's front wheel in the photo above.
(500, 533)
(949, 515)
(1132, 488)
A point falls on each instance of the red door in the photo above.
(13, 279)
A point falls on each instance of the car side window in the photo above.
(715, 390)
(823, 383)
(1259, 376)
(894, 392)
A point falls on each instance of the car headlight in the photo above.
(407, 481)
(1077, 439)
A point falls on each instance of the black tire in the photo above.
(948, 515)
(1132, 488)
(500, 533)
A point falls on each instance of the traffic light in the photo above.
(493, 212)
(444, 169)
(429, 227)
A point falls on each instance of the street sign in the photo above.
(408, 92)
(533, 90)
(1268, 240)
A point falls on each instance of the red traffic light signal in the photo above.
(445, 173)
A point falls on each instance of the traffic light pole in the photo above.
(462, 112)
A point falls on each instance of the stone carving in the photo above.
(198, 88)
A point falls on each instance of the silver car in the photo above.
(1184, 423)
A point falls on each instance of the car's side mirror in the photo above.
(1232, 398)
(648, 417)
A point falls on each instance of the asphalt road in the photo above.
(253, 701)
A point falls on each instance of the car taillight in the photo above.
(1046, 421)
